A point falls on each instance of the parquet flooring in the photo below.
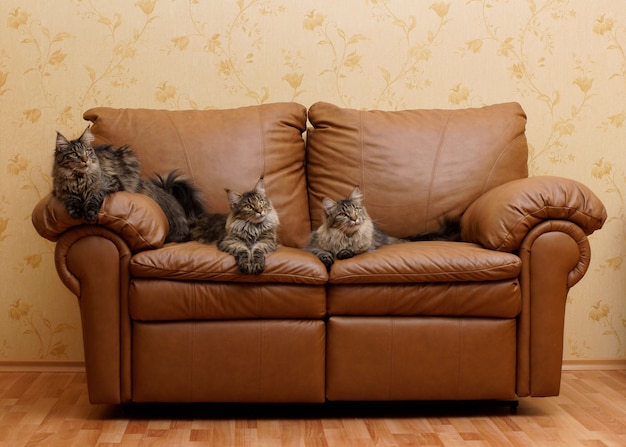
(52, 409)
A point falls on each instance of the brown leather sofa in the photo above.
(472, 320)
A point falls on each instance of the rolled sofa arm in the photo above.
(92, 260)
(135, 217)
(501, 218)
(546, 220)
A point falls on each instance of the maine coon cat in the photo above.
(347, 230)
(248, 231)
(83, 175)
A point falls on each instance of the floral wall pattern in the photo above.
(563, 60)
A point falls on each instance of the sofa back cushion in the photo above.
(222, 149)
(414, 166)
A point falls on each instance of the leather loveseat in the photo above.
(471, 320)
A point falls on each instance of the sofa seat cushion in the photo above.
(167, 300)
(426, 262)
(427, 278)
(193, 261)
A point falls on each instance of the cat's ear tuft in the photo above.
(356, 195)
(87, 137)
(328, 205)
(259, 187)
(61, 142)
(233, 197)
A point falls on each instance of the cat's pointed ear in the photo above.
(356, 195)
(328, 205)
(259, 187)
(233, 197)
(87, 136)
(62, 142)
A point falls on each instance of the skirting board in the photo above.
(594, 365)
(43, 366)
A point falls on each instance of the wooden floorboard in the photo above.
(52, 409)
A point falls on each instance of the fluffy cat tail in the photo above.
(450, 230)
(183, 190)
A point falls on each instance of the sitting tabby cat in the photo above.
(83, 175)
(347, 230)
(248, 231)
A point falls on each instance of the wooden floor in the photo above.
(52, 409)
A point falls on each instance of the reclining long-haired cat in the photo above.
(83, 175)
(347, 230)
(248, 231)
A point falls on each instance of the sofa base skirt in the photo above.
(420, 358)
(228, 361)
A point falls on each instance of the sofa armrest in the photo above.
(135, 217)
(501, 218)
(93, 263)
(546, 220)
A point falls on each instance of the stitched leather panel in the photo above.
(477, 299)
(420, 358)
(229, 361)
(166, 300)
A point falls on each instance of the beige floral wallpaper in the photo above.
(563, 60)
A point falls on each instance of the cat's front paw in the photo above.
(91, 214)
(327, 259)
(345, 254)
(75, 213)
(243, 262)
(92, 208)
(74, 208)
(257, 263)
